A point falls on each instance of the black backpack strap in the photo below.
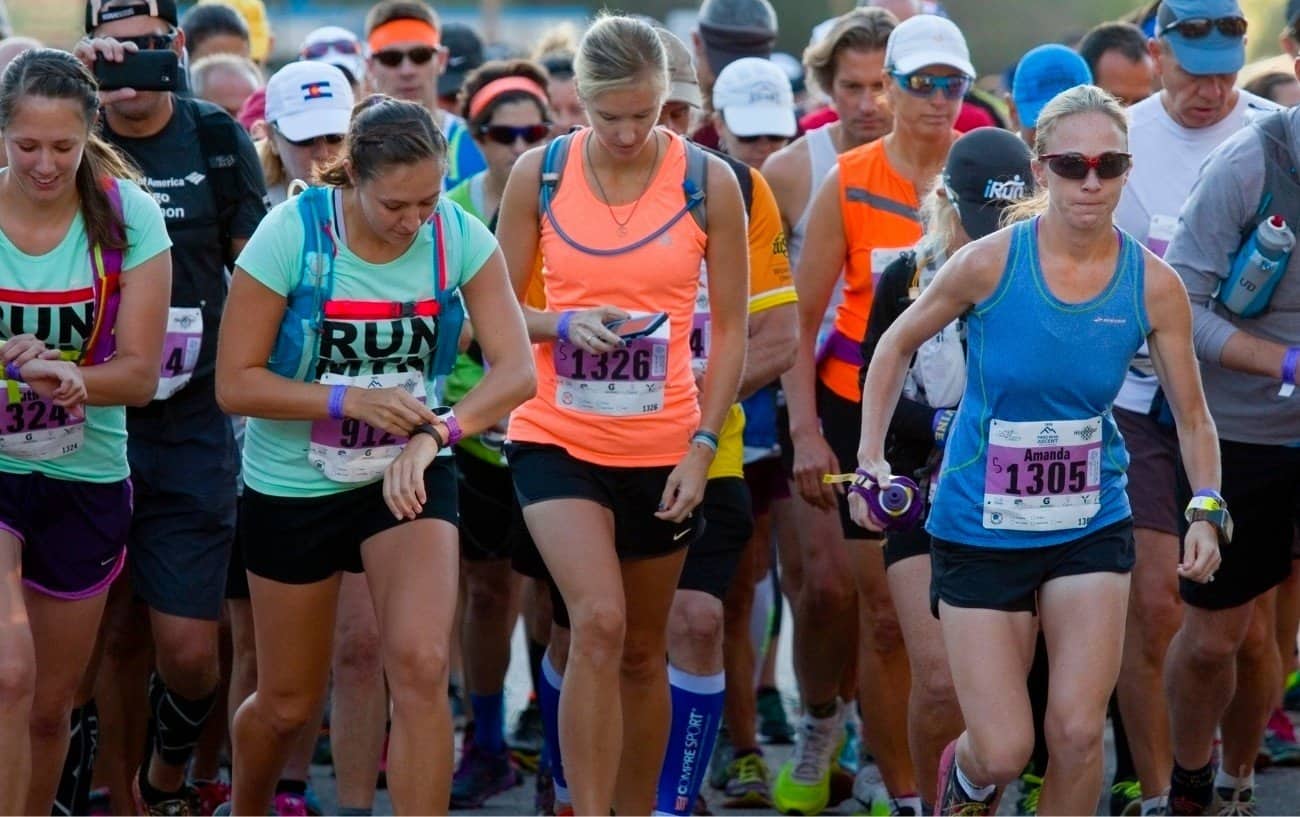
(219, 143)
(738, 168)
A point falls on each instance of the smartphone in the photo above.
(633, 328)
(153, 70)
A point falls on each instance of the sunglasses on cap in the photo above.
(507, 134)
(1194, 28)
(330, 139)
(1109, 165)
(419, 55)
(924, 85)
(317, 50)
(765, 137)
(151, 42)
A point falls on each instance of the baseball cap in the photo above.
(1216, 52)
(338, 47)
(733, 29)
(307, 99)
(466, 54)
(683, 84)
(927, 39)
(754, 97)
(1043, 73)
(99, 12)
(987, 170)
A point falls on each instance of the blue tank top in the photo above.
(1034, 457)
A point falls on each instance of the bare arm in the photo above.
(787, 172)
(519, 233)
(131, 377)
(773, 334)
(510, 379)
(727, 259)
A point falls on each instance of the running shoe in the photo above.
(848, 758)
(804, 784)
(749, 783)
(323, 753)
(211, 793)
(526, 740)
(288, 804)
(953, 799)
(544, 792)
(869, 795)
(314, 808)
(1291, 695)
(773, 725)
(1280, 740)
(100, 804)
(701, 807)
(481, 776)
(1031, 787)
(184, 802)
(1238, 801)
(459, 714)
(1126, 798)
(720, 761)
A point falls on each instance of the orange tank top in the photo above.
(636, 406)
(879, 209)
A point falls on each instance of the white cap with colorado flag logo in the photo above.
(308, 99)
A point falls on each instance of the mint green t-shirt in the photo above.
(52, 297)
(276, 451)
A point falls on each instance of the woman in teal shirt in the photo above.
(332, 482)
(84, 277)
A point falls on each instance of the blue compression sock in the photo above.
(489, 722)
(548, 700)
(697, 714)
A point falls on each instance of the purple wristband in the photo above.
(1210, 493)
(1289, 364)
(562, 328)
(336, 401)
(15, 372)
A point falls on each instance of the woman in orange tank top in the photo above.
(610, 458)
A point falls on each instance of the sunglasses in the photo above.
(924, 85)
(1109, 165)
(507, 134)
(765, 137)
(150, 42)
(1194, 28)
(331, 139)
(317, 50)
(392, 57)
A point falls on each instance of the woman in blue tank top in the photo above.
(1031, 514)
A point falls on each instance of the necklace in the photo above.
(622, 225)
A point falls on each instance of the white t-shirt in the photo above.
(1167, 159)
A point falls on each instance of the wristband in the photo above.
(1207, 506)
(13, 371)
(939, 425)
(1210, 493)
(562, 328)
(706, 438)
(336, 401)
(449, 421)
(1289, 362)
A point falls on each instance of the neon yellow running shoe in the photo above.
(804, 784)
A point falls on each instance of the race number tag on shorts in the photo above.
(180, 350)
(625, 382)
(1160, 233)
(350, 450)
(881, 258)
(1043, 476)
(33, 428)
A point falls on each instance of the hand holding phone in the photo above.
(153, 70)
(639, 327)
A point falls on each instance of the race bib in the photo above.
(350, 450)
(701, 324)
(881, 258)
(181, 347)
(1043, 476)
(625, 382)
(1160, 233)
(34, 428)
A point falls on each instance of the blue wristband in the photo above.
(1210, 493)
(336, 401)
(1289, 364)
(13, 371)
(706, 438)
(562, 328)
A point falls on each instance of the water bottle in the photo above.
(899, 506)
(1259, 265)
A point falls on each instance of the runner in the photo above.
(554, 51)
(1120, 61)
(405, 61)
(752, 97)
(225, 80)
(204, 172)
(728, 30)
(864, 216)
(506, 107)
(1042, 73)
(987, 170)
(303, 132)
(994, 570)
(71, 213)
(1170, 135)
(464, 55)
(383, 222)
(1223, 667)
(214, 29)
(338, 47)
(604, 479)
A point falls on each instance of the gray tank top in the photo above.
(821, 160)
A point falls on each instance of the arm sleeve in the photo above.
(146, 231)
(272, 254)
(912, 419)
(253, 202)
(1221, 204)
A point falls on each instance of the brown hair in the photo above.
(385, 132)
(493, 70)
(52, 74)
(389, 10)
(862, 29)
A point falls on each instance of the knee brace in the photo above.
(176, 722)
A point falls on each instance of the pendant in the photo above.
(622, 229)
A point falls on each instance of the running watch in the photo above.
(1208, 506)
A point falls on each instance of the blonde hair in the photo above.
(862, 29)
(560, 39)
(619, 51)
(941, 220)
(1081, 99)
(272, 166)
